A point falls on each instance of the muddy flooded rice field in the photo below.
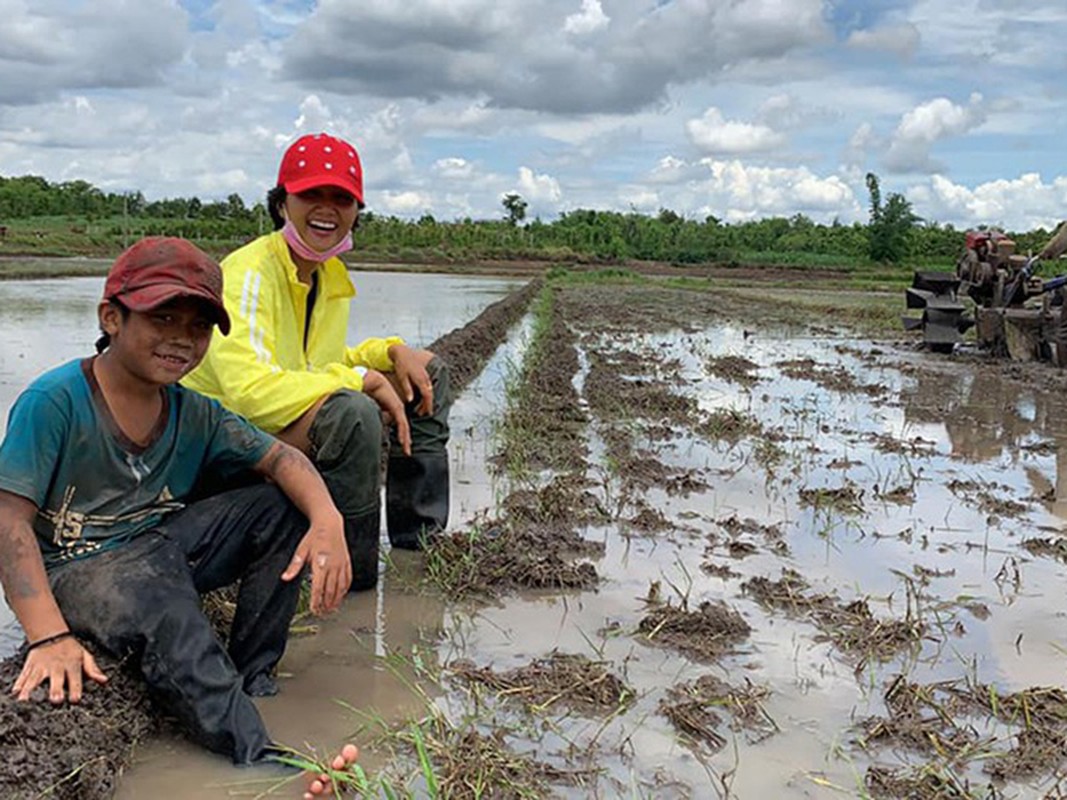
(730, 551)
(765, 558)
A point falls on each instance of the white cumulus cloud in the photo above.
(591, 18)
(714, 134)
(926, 124)
(1022, 203)
(535, 187)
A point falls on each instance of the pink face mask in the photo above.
(302, 249)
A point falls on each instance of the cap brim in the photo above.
(303, 184)
(150, 297)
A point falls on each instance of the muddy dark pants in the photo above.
(142, 599)
(346, 444)
(417, 486)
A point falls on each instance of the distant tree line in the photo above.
(893, 234)
(33, 196)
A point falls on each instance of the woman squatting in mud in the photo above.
(104, 542)
(286, 367)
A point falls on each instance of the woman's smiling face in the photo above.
(323, 216)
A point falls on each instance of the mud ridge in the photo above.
(73, 751)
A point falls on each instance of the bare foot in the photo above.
(318, 785)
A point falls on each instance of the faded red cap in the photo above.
(159, 269)
(319, 159)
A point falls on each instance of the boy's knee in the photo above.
(349, 425)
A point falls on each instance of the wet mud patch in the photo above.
(728, 425)
(574, 681)
(984, 497)
(902, 495)
(694, 709)
(891, 445)
(744, 537)
(850, 627)
(497, 559)
(534, 545)
(466, 764)
(930, 782)
(835, 379)
(845, 499)
(565, 500)
(470, 763)
(623, 309)
(1049, 547)
(706, 633)
(615, 397)
(647, 521)
(642, 471)
(737, 369)
(73, 751)
(952, 723)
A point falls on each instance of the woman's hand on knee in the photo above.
(378, 388)
(409, 367)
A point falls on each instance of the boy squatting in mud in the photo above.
(98, 543)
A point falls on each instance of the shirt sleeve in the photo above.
(37, 432)
(372, 353)
(245, 363)
(235, 444)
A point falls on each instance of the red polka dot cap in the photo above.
(319, 159)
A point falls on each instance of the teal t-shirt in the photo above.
(93, 487)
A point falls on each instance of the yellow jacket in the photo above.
(261, 369)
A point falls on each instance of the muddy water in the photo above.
(970, 551)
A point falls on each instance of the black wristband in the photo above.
(49, 639)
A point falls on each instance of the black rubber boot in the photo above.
(362, 534)
(416, 498)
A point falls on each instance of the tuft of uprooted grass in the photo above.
(850, 627)
(693, 710)
(941, 721)
(571, 680)
(706, 633)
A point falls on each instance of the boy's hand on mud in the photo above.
(379, 389)
(409, 368)
(61, 664)
(323, 546)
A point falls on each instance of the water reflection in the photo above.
(989, 417)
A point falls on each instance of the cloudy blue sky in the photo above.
(738, 108)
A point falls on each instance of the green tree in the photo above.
(889, 233)
(515, 206)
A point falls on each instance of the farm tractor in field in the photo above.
(1015, 313)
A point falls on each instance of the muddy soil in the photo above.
(72, 751)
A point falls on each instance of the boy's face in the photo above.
(159, 346)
